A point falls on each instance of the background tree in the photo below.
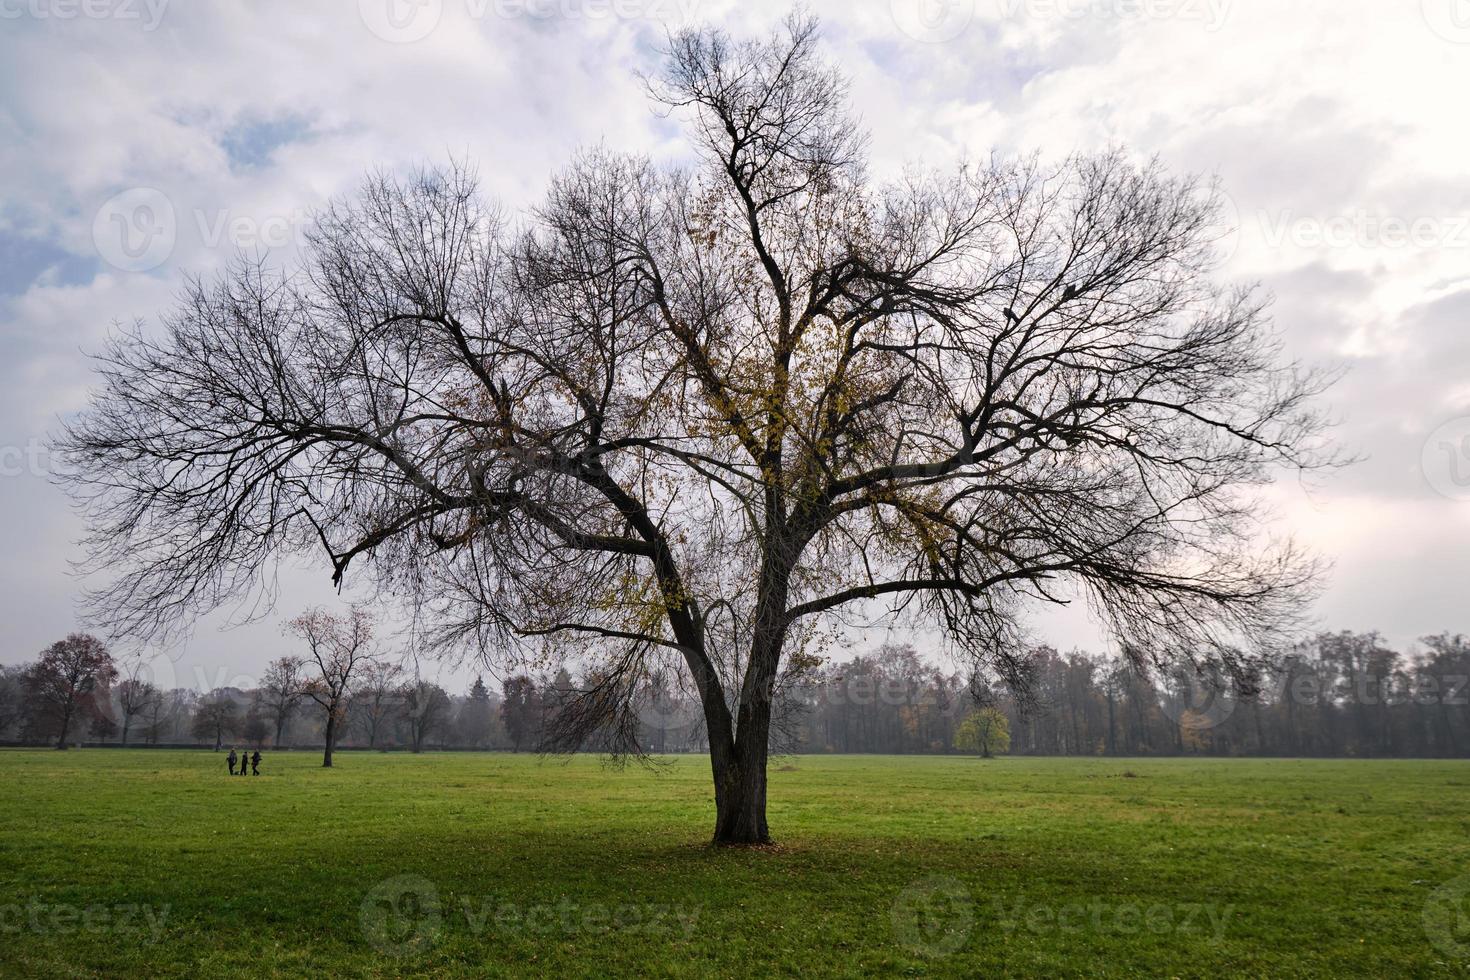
(176, 717)
(426, 706)
(376, 698)
(12, 696)
(215, 716)
(254, 728)
(520, 709)
(282, 687)
(689, 416)
(476, 717)
(338, 646)
(986, 731)
(101, 726)
(156, 717)
(67, 675)
(135, 696)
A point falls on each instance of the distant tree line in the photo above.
(1342, 694)
(99, 701)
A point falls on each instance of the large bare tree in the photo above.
(696, 415)
(339, 648)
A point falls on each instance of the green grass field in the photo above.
(143, 862)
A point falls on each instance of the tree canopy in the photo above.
(695, 415)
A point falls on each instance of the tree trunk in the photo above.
(65, 725)
(740, 792)
(331, 734)
(739, 764)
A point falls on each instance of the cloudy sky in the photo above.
(142, 139)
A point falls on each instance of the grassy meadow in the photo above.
(157, 863)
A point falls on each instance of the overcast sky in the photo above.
(142, 139)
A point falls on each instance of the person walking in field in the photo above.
(255, 763)
(231, 760)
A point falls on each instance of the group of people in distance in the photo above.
(245, 759)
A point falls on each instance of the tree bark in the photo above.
(740, 772)
(331, 734)
(65, 724)
(740, 792)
